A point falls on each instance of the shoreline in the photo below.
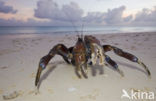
(73, 30)
(75, 33)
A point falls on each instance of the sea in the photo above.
(72, 30)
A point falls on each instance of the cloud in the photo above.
(64, 15)
(48, 9)
(95, 18)
(111, 17)
(114, 16)
(145, 17)
(6, 9)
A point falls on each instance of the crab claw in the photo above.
(42, 65)
(40, 68)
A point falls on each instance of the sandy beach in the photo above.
(20, 55)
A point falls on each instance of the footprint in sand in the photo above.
(61, 41)
(91, 96)
(139, 44)
(21, 62)
(12, 86)
(69, 38)
(22, 70)
(33, 75)
(17, 43)
(4, 67)
(50, 90)
(7, 51)
(145, 89)
(103, 40)
(50, 40)
(146, 39)
(1, 91)
(36, 43)
(116, 43)
(21, 48)
(133, 48)
(75, 78)
(13, 95)
(33, 92)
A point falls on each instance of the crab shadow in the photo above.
(52, 67)
(94, 69)
(131, 66)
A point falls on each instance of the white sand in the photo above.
(20, 54)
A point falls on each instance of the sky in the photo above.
(68, 12)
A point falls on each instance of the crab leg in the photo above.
(84, 70)
(99, 54)
(59, 49)
(114, 65)
(126, 55)
(81, 69)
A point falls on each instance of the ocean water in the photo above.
(72, 30)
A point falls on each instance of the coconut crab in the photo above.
(87, 50)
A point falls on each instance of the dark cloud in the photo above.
(6, 9)
(50, 10)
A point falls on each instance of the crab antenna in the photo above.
(78, 36)
(82, 36)
(82, 28)
(71, 21)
